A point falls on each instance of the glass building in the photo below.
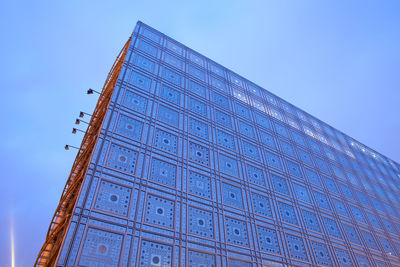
(197, 166)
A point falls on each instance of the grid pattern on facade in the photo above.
(197, 166)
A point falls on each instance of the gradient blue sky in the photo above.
(338, 60)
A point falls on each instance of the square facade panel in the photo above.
(302, 193)
(268, 240)
(221, 100)
(168, 116)
(197, 88)
(135, 102)
(199, 184)
(223, 118)
(122, 158)
(236, 232)
(281, 130)
(151, 35)
(321, 200)
(160, 211)
(197, 166)
(170, 94)
(294, 169)
(273, 160)
(321, 254)
(217, 83)
(340, 207)
(232, 195)
(166, 141)
(175, 48)
(174, 61)
(101, 248)
(228, 165)
(255, 175)
(313, 177)
(198, 128)
(369, 240)
(299, 139)
(139, 80)
(363, 260)
(199, 153)
(144, 63)
(287, 148)
(250, 151)
(197, 107)
(331, 185)
(129, 127)
(261, 205)
(332, 228)
(155, 254)
(147, 48)
(218, 70)
(280, 185)
(351, 234)
(246, 129)
(200, 259)
(287, 213)
(226, 140)
(263, 121)
(197, 73)
(243, 111)
(201, 222)
(267, 139)
(171, 76)
(196, 58)
(163, 172)
(296, 247)
(388, 246)
(311, 221)
(113, 198)
(239, 263)
(343, 257)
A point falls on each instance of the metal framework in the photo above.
(61, 219)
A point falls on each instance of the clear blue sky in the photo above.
(338, 60)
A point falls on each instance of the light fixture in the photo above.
(67, 147)
(82, 114)
(78, 121)
(75, 130)
(90, 91)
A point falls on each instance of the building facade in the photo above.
(197, 166)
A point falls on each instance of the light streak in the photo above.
(12, 244)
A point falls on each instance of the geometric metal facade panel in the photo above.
(160, 211)
(268, 240)
(197, 166)
(236, 232)
(201, 222)
(101, 248)
(200, 259)
(155, 254)
(296, 247)
(321, 254)
(113, 198)
(163, 172)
